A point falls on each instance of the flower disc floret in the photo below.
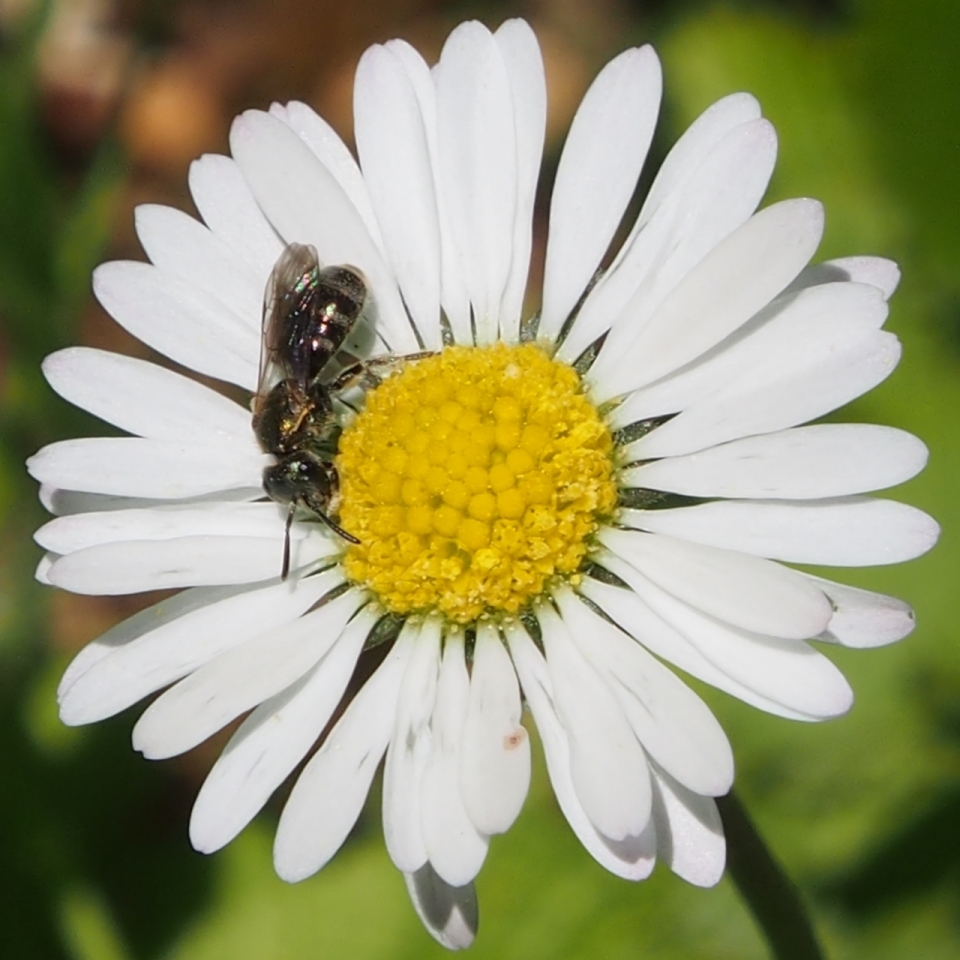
(472, 478)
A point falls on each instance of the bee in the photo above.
(309, 312)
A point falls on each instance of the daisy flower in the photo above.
(552, 510)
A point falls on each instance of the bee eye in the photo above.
(280, 482)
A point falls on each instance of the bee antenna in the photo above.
(349, 537)
(285, 569)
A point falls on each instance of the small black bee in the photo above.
(308, 313)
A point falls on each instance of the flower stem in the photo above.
(769, 893)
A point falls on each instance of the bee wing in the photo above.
(284, 287)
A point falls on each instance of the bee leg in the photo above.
(365, 372)
(285, 568)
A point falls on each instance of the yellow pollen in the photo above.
(472, 479)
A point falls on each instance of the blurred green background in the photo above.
(102, 105)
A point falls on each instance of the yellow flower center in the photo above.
(471, 479)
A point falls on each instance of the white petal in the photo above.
(620, 286)
(132, 628)
(877, 271)
(521, 55)
(136, 566)
(598, 171)
(689, 832)
(79, 531)
(43, 568)
(607, 763)
(791, 338)
(756, 595)
(145, 399)
(789, 391)
(409, 750)
(228, 208)
(174, 638)
(478, 165)
(696, 143)
(495, 753)
(863, 618)
(133, 467)
(450, 914)
(675, 727)
(848, 532)
(328, 795)
(740, 276)
(454, 295)
(185, 248)
(179, 320)
(332, 152)
(827, 460)
(65, 503)
(632, 858)
(636, 618)
(268, 745)
(681, 192)
(239, 679)
(392, 145)
(305, 203)
(455, 849)
(720, 196)
(789, 672)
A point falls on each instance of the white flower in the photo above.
(704, 345)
